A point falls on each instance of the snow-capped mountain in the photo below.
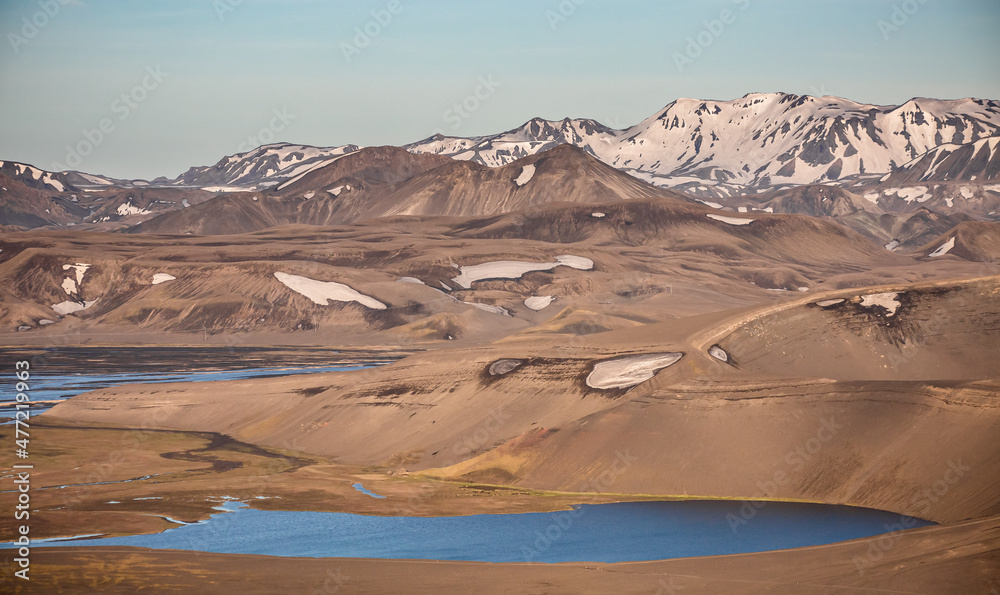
(263, 167)
(535, 136)
(760, 140)
(707, 148)
(390, 182)
(972, 162)
(34, 177)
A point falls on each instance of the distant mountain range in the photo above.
(757, 141)
(933, 158)
(760, 141)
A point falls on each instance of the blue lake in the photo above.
(595, 533)
(61, 373)
(589, 533)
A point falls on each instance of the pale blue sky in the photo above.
(615, 61)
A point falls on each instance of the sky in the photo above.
(145, 89)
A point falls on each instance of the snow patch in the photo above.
(222, 189)
(943, 249)
(54, 183)
(69, 307)
(629, 371)
(730, 220)
(891, 246)
(707, 203)
(127, 208)
(411, 280)
(598, 215)
(515, 269)
(320, 292)
(539, 302)
(162, 278)
(888, 301)
(489, 308)
(718, 353)
(309, 195)
(95, 180)
(80, 267)
(527, 172)
(872, 197)
(916, 193)
(505, 366)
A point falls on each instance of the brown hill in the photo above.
(366, 168)
(897, 230)
(374, 183)
(26, 206)
(563, 174)
(817, 201)
(977, 241)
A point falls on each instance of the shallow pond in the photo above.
(61, 373)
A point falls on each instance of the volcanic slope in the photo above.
(803, 399)
(387, 181)
(907, 229)
(315, 197)
(625, 252)
(977, 241)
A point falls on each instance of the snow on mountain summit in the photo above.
(759, 140)
(264, 166)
